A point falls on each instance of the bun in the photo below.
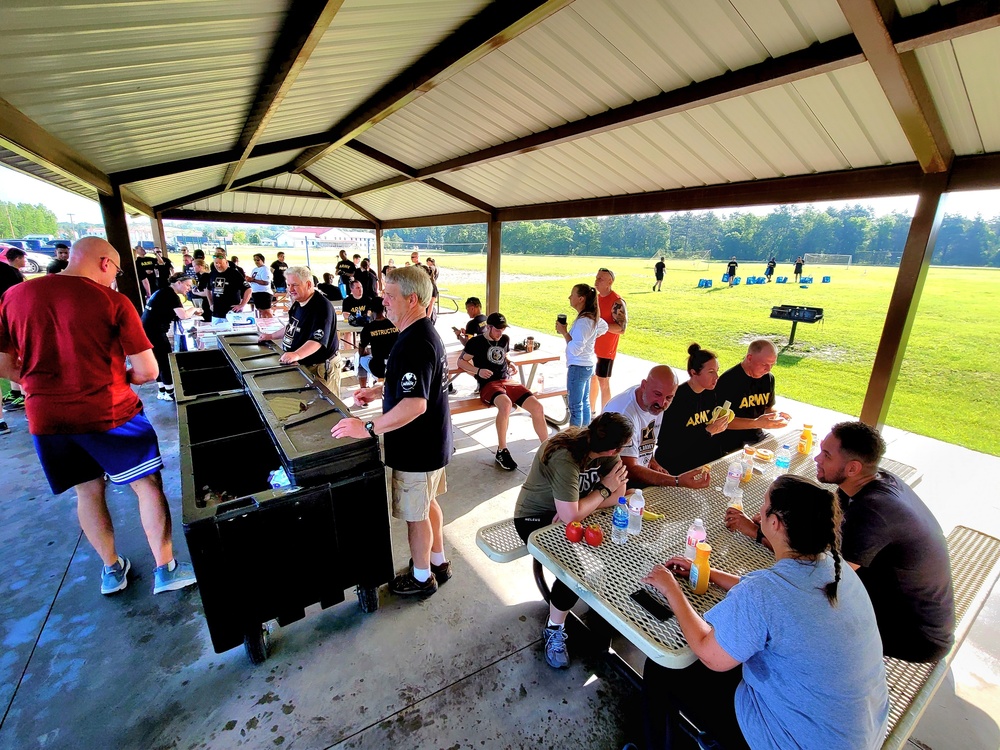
(694, 349)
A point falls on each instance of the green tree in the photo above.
(253, 237)
(20, 219)
(240, 237)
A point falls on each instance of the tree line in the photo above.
(785, 233)
(20, 219)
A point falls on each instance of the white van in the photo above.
(41, 237)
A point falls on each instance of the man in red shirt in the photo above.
(84, 418)
(614, 313)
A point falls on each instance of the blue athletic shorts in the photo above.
(123, 454)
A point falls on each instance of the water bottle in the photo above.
(636, 505)
(619, 522)
(696, 534)
(783, 459)
(733, 478)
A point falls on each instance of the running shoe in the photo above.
(555, 647)
(114, 578)
(172, 576)
(505, 461)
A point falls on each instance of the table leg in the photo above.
(560, 422)
(531, 375)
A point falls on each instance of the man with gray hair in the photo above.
(310, 337)
(416, 423)
(749, 389)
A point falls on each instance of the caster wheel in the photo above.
(256, 642)
(368, 599)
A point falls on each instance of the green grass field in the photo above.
(952, 363)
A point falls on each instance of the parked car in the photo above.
(33, 262)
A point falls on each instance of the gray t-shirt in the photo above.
(813, 675)
(559, 478)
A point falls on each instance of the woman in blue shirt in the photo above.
(803, 629)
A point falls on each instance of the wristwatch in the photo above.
(370, 426)
(605, 492)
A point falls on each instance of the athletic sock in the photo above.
(559, 626)
(438, 558)
(421, 575)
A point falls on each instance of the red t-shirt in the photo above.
(72, 336)
(606, 346)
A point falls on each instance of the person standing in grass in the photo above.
(580, 356)
(798, 268)
(731, 269)
(769, 271)
(658, 270)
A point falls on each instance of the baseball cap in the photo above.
(497, 320)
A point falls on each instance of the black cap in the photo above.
(497, 320)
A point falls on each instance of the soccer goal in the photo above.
(695, 260)
(827, 259)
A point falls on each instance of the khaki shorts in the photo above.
(328, 373)
(412, 492)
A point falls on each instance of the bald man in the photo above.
(749, 389)
(644, 405)
(86, 421)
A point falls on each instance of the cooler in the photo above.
(202, 372)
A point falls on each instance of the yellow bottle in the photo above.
(748, 454)
(806, 440)
(698, 578)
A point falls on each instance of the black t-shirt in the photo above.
(798, 266)
(330, 291)
(369, 282)
(903, 555)
(346, 270)
(489, 355)
(770, 265)
(159, 312)
(356, 309)
(660, 265)
(227, 290)
(683, 442)
(278, 269)
(748, 398)
(731, 268)
(476, 326)
(56, 266)
(314, 321)
(9, 276)
(163, 273)
(418, 368)
(380, 335)
(145, 268)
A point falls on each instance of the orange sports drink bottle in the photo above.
(806, 440)
(700, 570)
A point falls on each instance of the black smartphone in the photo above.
(656, 608)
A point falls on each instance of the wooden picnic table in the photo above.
(526, 363)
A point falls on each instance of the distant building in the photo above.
(337, 239)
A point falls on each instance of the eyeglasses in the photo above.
(120, 271)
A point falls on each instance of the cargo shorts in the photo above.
(412, 492)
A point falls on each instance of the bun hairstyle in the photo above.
(811, 517)
(589, 295)
(697, 357)
(607, 431)
(175, 277)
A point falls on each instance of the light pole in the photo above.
(72, 232)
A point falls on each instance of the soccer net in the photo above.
(695, 260)
(827, 259)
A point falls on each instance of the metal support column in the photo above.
(159, 236)
(905, 298)
(116, 229)
(494, 230)
(378, 253)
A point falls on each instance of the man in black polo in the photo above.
(145, 268)
(310, 337)
(749, 389)
(345, 269)
(416, 423)
(229, 289)
(61, 260)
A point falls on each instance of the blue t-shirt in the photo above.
(813, 675)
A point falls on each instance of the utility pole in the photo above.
(72, 232)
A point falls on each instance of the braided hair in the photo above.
(811, 516)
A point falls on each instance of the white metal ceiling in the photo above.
(252, 203)
(414, 199)
(346, 169)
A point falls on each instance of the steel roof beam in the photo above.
(494, 26)
(438, 220)
(942, 23)
(337, 196)
(902, 82)
(305, 24)
(235, 218)
(285, 192)
(218, 189)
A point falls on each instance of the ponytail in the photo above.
(589, 294)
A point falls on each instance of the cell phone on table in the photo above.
(656, 608)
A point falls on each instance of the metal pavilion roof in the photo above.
(380, 113)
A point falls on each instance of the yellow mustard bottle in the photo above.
(806, 440)
(700, 570)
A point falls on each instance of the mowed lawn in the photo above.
(952, 361)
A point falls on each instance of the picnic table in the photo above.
(526, 363)
(605, 576)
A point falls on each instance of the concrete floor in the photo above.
(463, 669)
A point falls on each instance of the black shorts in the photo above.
(604, 367)
(261, 300)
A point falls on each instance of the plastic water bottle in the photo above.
(636, 505)
(734, 475)
(696, 534)
(783, 459)
(619, 522)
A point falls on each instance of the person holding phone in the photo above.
(804, 631)
(573, 474)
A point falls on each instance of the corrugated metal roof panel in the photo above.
(164, 189)
(346, 169)
(367, 45)
(948, 90)
(979, 59)
(412, 199)
(252, 203)
(289, 182)
(593, 56)
(263, 163)
(133, 82)
(16, 161)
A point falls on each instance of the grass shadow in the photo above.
(786, 359)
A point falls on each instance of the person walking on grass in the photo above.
(798, 269)
(731, 270)
(87, 423)
(658, 270)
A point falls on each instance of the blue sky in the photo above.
(16, 187)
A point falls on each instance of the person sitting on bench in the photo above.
(477, 321)
(803, 629)
(377, 339)
(485, 358)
